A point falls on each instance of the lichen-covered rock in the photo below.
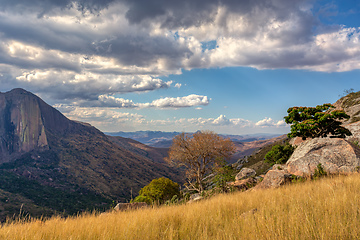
(243, 184)
(274, 178)
(354, 128)
(245, 173)
(335, 155)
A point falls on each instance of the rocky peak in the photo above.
(24, 122)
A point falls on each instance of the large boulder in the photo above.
(245, 173)
(243, 184)
(336, 155)
(274, 179)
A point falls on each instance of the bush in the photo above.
(144, 199)
(319, 172)
(223, 175)
(158, 191)
(279, 154)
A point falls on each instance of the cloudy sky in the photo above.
(232, 66)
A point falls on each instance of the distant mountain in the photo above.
(164, 139)
(49, 163)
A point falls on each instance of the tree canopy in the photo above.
(199, 153)
(279, 154)
(319, 121)
(158, 191)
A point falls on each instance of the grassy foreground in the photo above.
(324, 209)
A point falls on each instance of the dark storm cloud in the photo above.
(129, 48)
(174, 13)
(44, 6)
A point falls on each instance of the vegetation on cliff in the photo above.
(319, 121)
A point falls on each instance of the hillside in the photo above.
(323, 209)
(151, 153)
(60, 165)
(155, 144)
(161, 139)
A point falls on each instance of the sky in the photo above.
(230, 66)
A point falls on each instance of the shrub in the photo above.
(279, 154)
(158, 191)
(319, 172)
(223, 175)
(142, 198)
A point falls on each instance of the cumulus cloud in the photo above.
(268, 122)
(83, 53)
(110, 119)
(107, 101)
(109, 42)
(180, 102)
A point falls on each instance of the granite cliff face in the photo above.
(21, 124)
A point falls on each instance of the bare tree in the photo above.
(199, 153)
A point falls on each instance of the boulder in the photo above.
(274, 178)
(130, 206)
(245, 173)
(296, 141)
(336, 155)
(243, 184)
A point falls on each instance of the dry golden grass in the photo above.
(322, 209)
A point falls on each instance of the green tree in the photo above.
(199, 153)
(223, 175)
(158, 191)
(279, 154)
(319, 121)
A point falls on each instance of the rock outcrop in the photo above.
(336, 155)
(245, 173)
(243, 184)
(21, 124)
(274, 178)
(351, 105)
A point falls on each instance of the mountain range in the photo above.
(161, 139)
(50, 164)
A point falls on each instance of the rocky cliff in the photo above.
(21, 124)
(351, 105)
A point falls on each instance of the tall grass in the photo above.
(324, 209)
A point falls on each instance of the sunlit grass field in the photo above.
(328, 208)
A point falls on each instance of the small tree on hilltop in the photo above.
(319, 121)
(199, 154)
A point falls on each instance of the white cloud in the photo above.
(110, 119)
(107, 101)
(66, 52)
(268, 122)
(180, 102)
